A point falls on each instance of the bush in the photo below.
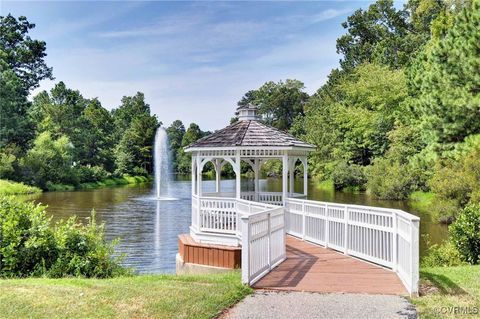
(389, 179)
(87, 174)
(30, 246)
(445, 255)
(27, 243)
(83, 252)
(6, 165)
(348, 176)
(456, 181)
(465, 233)
(14, 188)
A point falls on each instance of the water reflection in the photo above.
(148, 229)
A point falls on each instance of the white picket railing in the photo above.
(263, 243)
(387, 237)
(217, 215)
(258, 227)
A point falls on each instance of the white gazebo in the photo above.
(253, 142)
(248, 229)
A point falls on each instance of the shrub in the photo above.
(83, 252)
(6, 165)
(30, 246)
(465, 233)
(14, 188)
(59, 187)
(456, 181)
(450, 183)
(445, 255)
(27, 243)
(389, 179)
(87, 174)
(346, 175)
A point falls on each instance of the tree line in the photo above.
(399, 114)
(61, 138)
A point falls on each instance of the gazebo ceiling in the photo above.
(249, 133)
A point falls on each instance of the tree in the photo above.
(134, 152)
(192, 134)
(351, 121)
(131, 107)
(383, 34)
(279, 103)
(23, 55)
(49, 161)
(445, 82)
(175, 134)
(98, 138)
(135, 129)
(15, 126)
(59, 111)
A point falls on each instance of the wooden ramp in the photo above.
(310, 267)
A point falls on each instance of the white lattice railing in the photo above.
(263, 243)
(273, 198)
(387, 237)
(258, 227)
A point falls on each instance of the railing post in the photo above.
(199, 214)
(414, 255)
(245, 249)
(327, 231)
(345, 251)
(269, 238)
(394, 242)
(303, 220)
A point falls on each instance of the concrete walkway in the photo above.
(306, 305)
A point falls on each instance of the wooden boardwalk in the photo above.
(310, 267)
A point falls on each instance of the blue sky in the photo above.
(193, 60)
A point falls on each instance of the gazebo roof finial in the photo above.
(247, 112)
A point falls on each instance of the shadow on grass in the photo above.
(444, 285)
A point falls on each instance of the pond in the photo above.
(148, 229)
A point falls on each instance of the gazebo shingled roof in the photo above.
(249, 133)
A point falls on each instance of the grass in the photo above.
(109, 182)
(444, 288)
(125, 180)
(13, 188)
(153, 296)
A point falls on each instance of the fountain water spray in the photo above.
(162, 164)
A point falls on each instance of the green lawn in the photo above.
(449, 287)
(153, 296)
(13, 188)
(125, 180)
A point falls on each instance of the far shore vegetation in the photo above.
(14, 188)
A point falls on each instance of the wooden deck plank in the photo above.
(310, 267)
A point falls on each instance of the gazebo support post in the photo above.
(199, 177)
(237, 175)
(194, 182)
(305, 176)
(284, 178)
(256, 171)
(291, 170)
(218, 170)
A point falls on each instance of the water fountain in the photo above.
(162, 165)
